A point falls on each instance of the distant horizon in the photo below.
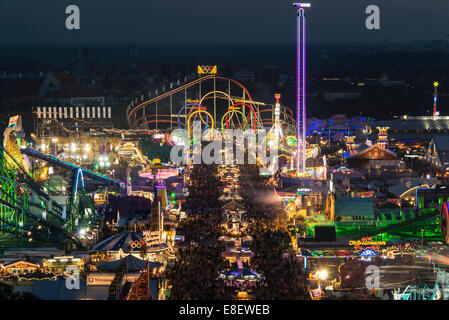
(235, 21)
(311, 43)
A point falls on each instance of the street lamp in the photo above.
(322, 274)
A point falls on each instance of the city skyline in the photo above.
(170, 150)
(265, 21)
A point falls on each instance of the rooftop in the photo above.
(351, 207)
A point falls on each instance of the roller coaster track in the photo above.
(167, 94)
(18, 207)
(54, 223)
(70, 166)
(76, 196)
(49, 226)
(25, 178)
(402, 224)
(133, 121)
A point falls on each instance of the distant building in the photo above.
(65, 89)
(286, 80)
(19, 267)
(343, 94)
(437, 153)
(244, 75)
(133, 56)
(337, 126)
(375, 157)
(384, 81)
(415, 128)
(354, 210)
(406, 190)
(83, 65)
(332, 90)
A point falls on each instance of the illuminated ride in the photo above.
(221, 96)
(444, 222)
(28, 214)
(78, 198)
(417, 293)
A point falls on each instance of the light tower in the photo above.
(301, 89)
(277, 108)
(382, 137)
(277, 129)
(435, 96)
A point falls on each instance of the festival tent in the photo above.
(133, 264)
(121, 241)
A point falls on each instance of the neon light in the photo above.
(301, 89)
(290, 140)
(189, 105)
(302, 5)
(225, 116)
(138, 122)
(207, 69)
(216, 91)
(199, 111)
(435, 95)
(246, 105)
(78, 174)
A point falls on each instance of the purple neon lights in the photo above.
(302, 5)
(301, 89)
(304, 93)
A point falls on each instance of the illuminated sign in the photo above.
(106, 279)
(207, 69)
(137, 244)
(13, 121)
(303, 190)
(291, 141)
(158, 136)
(367, 254)
(366, 242)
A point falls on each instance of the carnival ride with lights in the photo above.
(178, 108)
(413, 292)
(220, 103)
(28, 214)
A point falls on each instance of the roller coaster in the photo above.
(214, 97)
(28, 214)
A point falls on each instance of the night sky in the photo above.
(213, 21)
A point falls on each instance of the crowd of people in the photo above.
(274, 257)
(199, 261)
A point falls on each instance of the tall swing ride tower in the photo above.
(435, 97)
(301, 89)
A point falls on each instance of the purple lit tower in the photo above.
(301, 90)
